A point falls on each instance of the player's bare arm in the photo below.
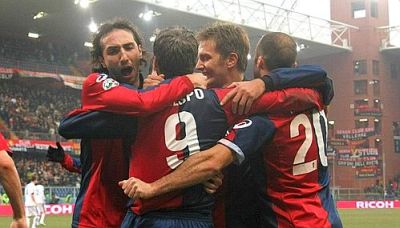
(243, 95)
(10, 180)
(153, 79)
(198, 80)
(198, 168)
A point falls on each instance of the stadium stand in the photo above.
(31, 106)
(37, 55)
(49, 174)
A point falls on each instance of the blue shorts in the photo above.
(165, 220)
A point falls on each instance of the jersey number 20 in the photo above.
(300, 166)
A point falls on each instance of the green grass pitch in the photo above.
(352, 218)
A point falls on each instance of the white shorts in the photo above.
(31, 211)
(40, 208)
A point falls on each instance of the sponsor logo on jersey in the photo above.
(243, 124)
(109, 83)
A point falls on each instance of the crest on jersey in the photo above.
(109, 83)
(243, 124)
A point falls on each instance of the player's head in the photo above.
(274, 50)
(223, 50)
(34, 179)
(175, 52)
(117, 50)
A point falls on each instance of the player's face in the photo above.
(121, 55)
(212, 65)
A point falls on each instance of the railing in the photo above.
(34, 66)
(39, 136)
(264, 16)
(55, 194)
(390, 36)
(359, 194)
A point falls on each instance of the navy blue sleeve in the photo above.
(248, 136)
(97, 124)
(77, 162)
(305, 76)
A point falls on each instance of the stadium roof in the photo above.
(67, 22)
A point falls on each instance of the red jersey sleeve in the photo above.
(69, 164)
(281, 102)
(4, 144)
(101, 92)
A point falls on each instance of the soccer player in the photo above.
(12, 185)
(282, 183)
(40, 202)
(83, 128)
(31, 202)
(288, 174)
(117, 49)
(194, 123)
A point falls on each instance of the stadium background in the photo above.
(356, 41)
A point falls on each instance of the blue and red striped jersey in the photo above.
(192, 124)
(286, 179)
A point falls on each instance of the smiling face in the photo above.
(121, 55)
(212, 64)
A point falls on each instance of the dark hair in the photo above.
(106, 28)
(278, 50)
(229, 38)
(175, 50)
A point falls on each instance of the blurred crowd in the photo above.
(35, 108)
(38, 51)
(49, 173)
(392, 191)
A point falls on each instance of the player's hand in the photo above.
(212, 185)
(153, 79)
(137, 189)
(243, 95)
(55, 154)
(198, 80)
(19, 223)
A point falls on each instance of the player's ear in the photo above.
(140, 50)
(101, 60)
(260, 62)
(232, 60)
(155, 65)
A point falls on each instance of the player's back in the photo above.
(39, 194)
(104, 164)
(165, 139)
(296, 174)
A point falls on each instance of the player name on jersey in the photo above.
(197, 93)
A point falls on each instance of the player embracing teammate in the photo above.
(179, 150)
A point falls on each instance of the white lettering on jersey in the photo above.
(198, 93)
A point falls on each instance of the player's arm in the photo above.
(244, 93)
(81, 124)
(11, 183)
(287, 101)
(66, 160)
(202, 166)
(100, 92)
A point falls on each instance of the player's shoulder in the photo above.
(221, 92)
(100, 80)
